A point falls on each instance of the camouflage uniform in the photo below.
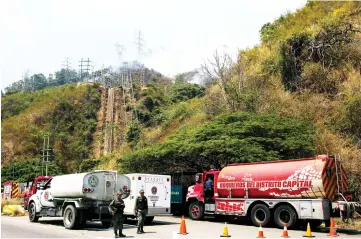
(116, 208)
(141, 210)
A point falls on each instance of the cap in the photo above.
(141, 191)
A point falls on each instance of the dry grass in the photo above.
(352, 224)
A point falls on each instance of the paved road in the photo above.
(162, 227)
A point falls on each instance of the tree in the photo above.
(230, 138)
(185, 91)
(40, 81)
(229, 77)
(25, 170)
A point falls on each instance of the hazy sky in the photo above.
(38, 35)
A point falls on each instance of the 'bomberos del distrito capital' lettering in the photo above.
(267, 184)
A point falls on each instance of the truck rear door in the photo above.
(157, 189)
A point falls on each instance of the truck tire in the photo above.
(285, 214)
(260, 215)
(148, 220)
(32, 213)
(196, 211)
(71, 217)
(106, 224)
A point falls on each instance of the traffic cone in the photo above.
(308, 232)
(285, 232)
(260, 232)
(183, 229)
(225, 231)
(333, 232)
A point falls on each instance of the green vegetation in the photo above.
(24, 171)
(67, 114)
(230, 138)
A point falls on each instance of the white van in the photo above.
(157, 189)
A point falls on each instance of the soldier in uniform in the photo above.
(116, 208)
(141, 210)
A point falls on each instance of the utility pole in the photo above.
(43, 156)
(84, 67)
(81, 69)
(47, 159)
(49, 154)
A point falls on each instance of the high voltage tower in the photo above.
(66, 64)
(140, 44)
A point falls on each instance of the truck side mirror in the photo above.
(199, 178)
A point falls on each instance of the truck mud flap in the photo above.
(103, 212)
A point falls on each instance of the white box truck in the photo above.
(78, 197)
(157, 189)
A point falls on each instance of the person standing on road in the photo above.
(116, 208)
(141, 210)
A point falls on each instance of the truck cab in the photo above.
(32, 187)
(201, 196)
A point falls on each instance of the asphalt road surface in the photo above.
(162, 227)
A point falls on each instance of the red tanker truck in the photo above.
(285, 191)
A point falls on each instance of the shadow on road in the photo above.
(154, 223)
(97, 226)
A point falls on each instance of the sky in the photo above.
(178, 35)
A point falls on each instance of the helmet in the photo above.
(141, 191)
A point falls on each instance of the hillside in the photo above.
(67, 114)
(296, 94)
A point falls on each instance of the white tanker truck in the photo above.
(78, 197)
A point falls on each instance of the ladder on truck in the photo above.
(347, 207)
(339, 176)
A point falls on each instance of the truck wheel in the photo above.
(260, 215)
(71, 217)
(149, 219)
(285, 214)
(32, 213)
(196, 211)
(106, 224)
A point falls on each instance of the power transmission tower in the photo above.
(140, 44)
(120, 51)
(66, 64)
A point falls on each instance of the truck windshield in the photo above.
(41, 182)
